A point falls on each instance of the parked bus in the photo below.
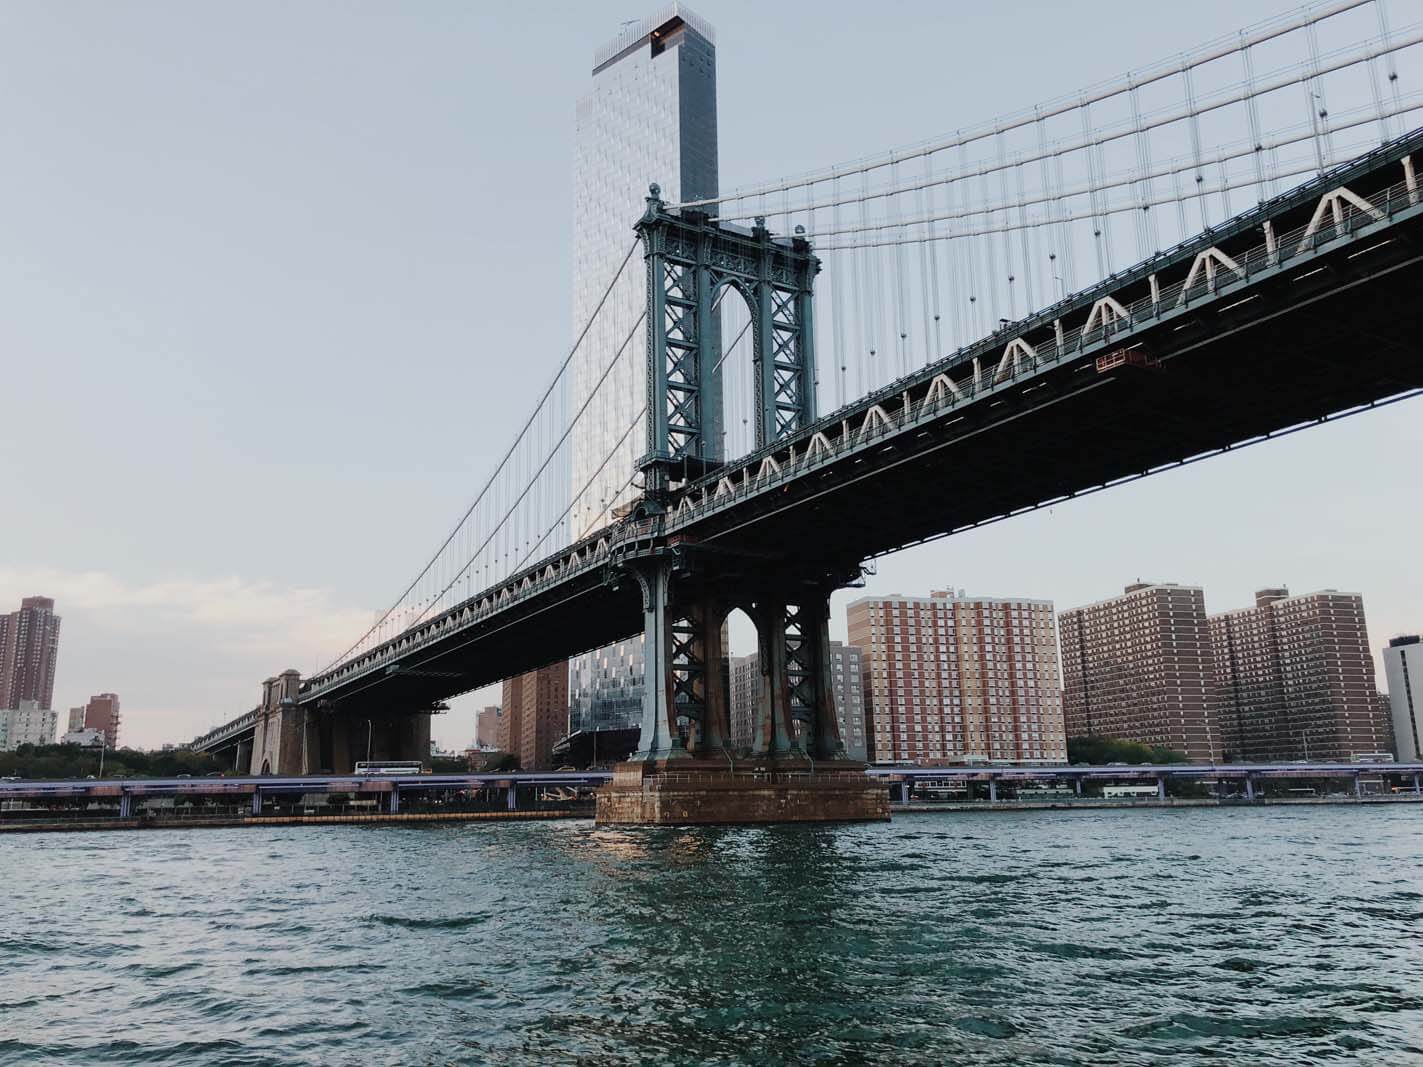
(1130, 792)
(392, 767)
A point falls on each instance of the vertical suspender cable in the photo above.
(901, 363)
(837, 320)
(924, 213)
(938, 342)
(1318, 102)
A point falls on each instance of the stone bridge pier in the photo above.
(684, 771)
(291, 738)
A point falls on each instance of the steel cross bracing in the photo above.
(1351, 233)
(690, 261)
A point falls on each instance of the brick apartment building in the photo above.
(1295, 679)
(1139, 667)
(948, 679)
(534, 715)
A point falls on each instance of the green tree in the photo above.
(1098, 750)
(80, 761)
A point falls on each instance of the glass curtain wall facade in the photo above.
(649, 116)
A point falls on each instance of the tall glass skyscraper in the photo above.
(650, 116)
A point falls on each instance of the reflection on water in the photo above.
(1141, 937)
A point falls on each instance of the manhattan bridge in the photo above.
(1204, 253)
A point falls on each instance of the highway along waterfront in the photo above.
(1271, 935)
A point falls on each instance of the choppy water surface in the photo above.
(1279, 936)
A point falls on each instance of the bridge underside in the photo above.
(1346, 337)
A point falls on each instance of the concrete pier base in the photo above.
(688, 792)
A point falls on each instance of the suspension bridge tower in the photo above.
(683, 771)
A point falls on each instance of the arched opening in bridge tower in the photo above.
(742, 679)
(734, 372)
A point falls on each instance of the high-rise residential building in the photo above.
(28, 724)
(102, 713)
(534, 715)
(1403, 668)
(953, 679)
(847, 678)
(648, 116)
(744, 695)
(1295, 679)
(1138, 667)
(29, 650)
(76, 719)
(486, 727)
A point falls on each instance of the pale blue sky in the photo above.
(277, 282)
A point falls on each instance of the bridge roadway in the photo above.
(252, 789)
(1299, 311)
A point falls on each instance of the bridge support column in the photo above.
(1077, 785)
(992, 790)
(256, 802)
(1416, 790)
(796, 771)
(1358, 786)
(904, 791)
(1249, 788)
(125, 806)
(660, 739)
(511, 800)
(1161, 789)
(393, 806)
(797, 707)
(700, 682)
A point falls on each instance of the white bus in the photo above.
(390, 767)
(1130, 792)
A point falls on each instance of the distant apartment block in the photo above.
(1403, 669)
(847, 679)
(29, 651)
(744, 682)
(486, 727)
(28, 724)
(948, 679)
(1295, 679)
(1139, 667)
(534, 715)
(744, 694)
(102, 713)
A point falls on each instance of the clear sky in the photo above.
(278, 281)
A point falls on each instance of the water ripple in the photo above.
(1122, 937)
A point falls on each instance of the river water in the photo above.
(1266, 936)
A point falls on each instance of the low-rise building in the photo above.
(28, 724)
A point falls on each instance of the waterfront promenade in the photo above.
(138, 803)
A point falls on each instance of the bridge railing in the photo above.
(615, 540)
(896, 409)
